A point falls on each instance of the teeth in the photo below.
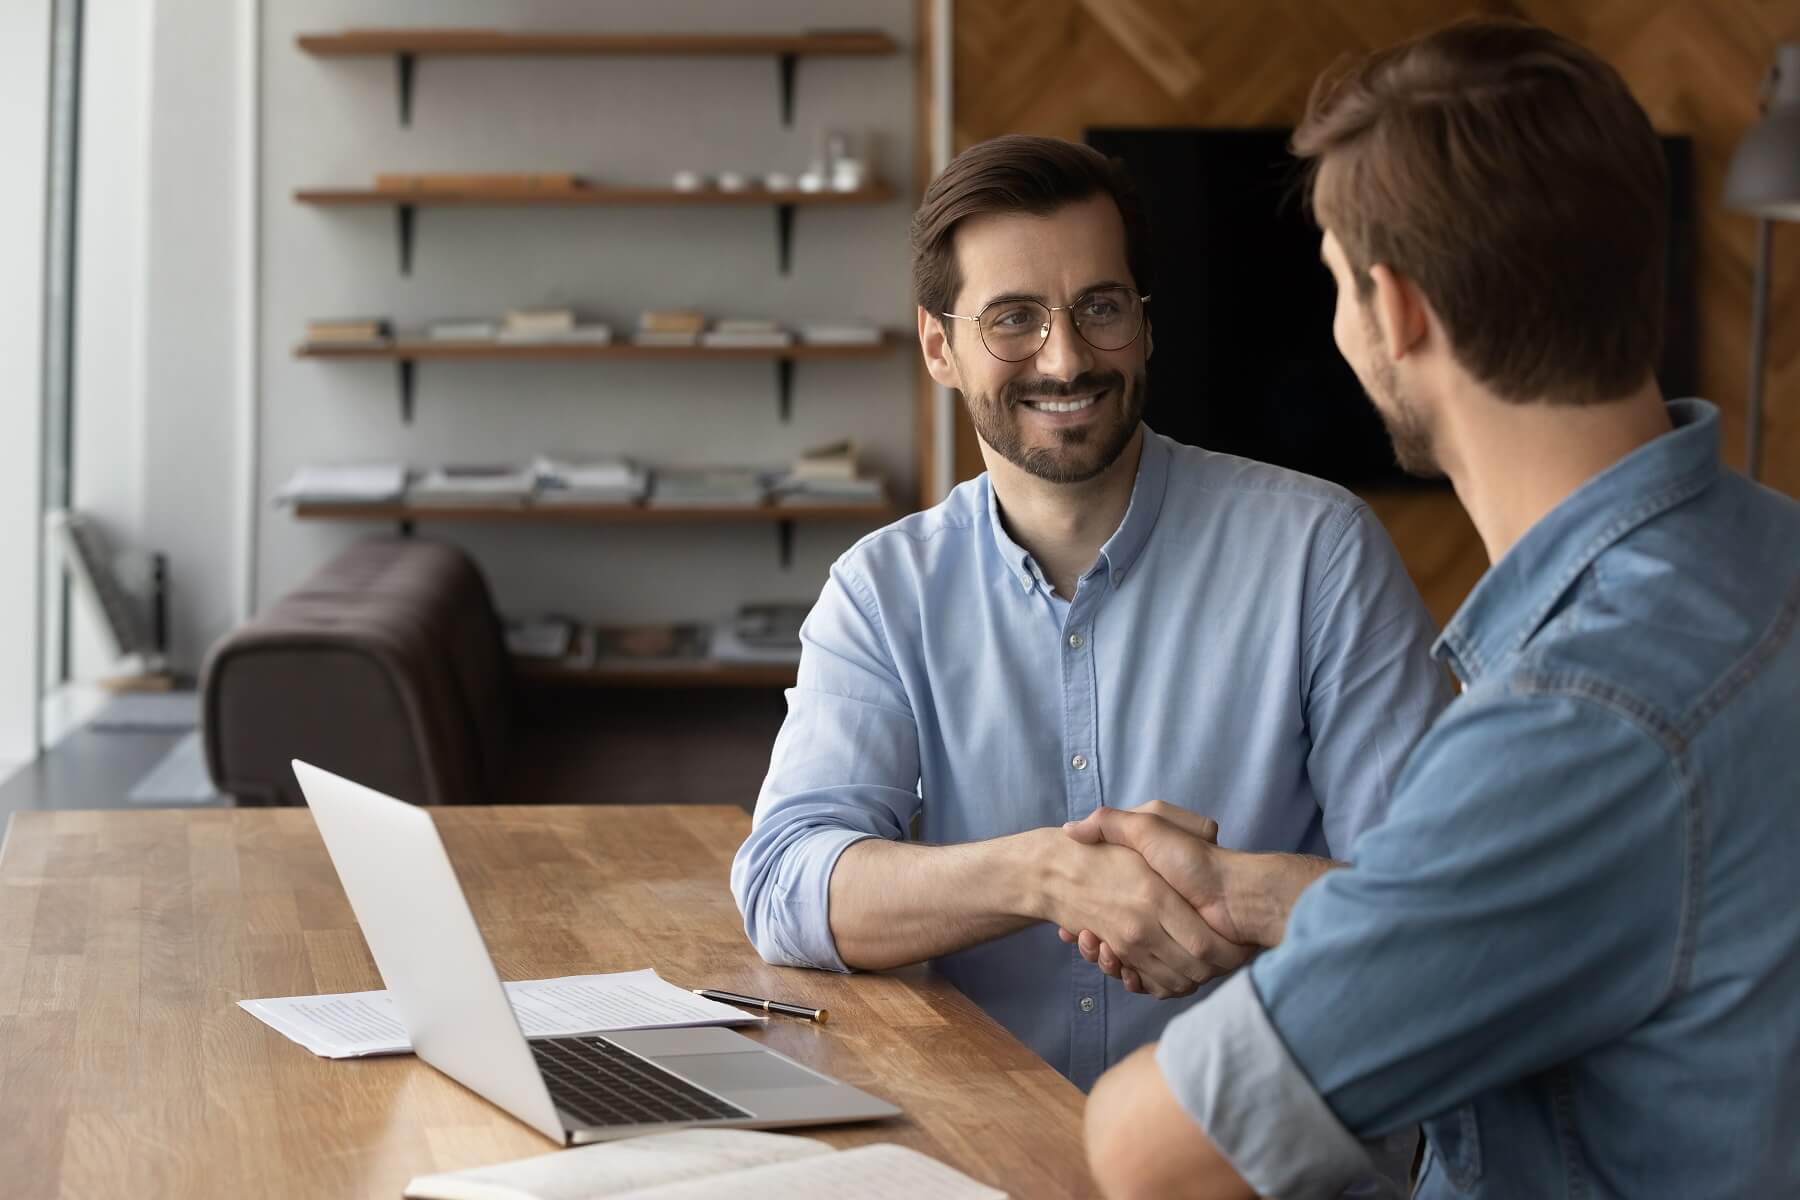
(1067, 406)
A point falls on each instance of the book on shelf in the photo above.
(671, 320)
(600, 481)
(670, 644)
(344, 331)
(546, 637)
(840, 335)
(724, 339)
(536, 324)
(834, 460)
(473, 485)
(655, 337)
(345, 483)
(825, 493)
(463, 329)
(708, 487)
(490, 181)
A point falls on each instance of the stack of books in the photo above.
(669, 327)
(474, 487)
(348, 483)
(551, 325)
(601, 481)
(760, 633)
(541, 637)
(463, 329)
(840, 335)
(708, 487)
(671, 645)
(828, 475)
(745, 331)
(348, 331)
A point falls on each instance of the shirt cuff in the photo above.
(1233, 1075)
(806, 898)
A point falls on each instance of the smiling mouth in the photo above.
(1063, 406)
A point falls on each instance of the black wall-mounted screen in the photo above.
(1242, 308)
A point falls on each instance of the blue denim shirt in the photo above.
(1573, 950)
(1247, 644)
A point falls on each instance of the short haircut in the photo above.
(1017, 173)
(1510, 175)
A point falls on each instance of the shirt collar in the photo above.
(1127, 542)
(1518, 593)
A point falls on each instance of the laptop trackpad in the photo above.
(739, 1071)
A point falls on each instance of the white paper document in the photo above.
(357, 1024)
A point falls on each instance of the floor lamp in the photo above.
(1764, 180)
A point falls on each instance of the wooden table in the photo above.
(126, 939)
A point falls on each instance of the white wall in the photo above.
(160, 292)
(333, 121)
(24, 126)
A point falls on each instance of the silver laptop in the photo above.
(572, 1089)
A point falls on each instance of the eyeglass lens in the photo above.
(1107, 319)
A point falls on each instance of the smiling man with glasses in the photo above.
(1105, 617)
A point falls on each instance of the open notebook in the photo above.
(703, 1163)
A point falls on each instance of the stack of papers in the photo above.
(474, 485)
(670, 327)
(708, 487)
(349, 483)
(828, 475)
(840, 335)
(740, 332)
(358, 1024)
(463, 329)
(602, 481)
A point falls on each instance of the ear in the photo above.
(935, 343)
(1149, 339)
(1401, 310)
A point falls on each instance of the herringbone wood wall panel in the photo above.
(1060, 66)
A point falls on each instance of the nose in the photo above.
(1064, 354)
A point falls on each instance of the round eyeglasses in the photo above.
(1015, 330)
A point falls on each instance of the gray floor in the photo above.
(88, 769)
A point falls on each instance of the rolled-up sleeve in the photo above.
(1534, 853)
(845, 767)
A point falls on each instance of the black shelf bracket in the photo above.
(784, 532)
(784, 235)
(784, 388)
(405, 217)
(790, 64)
(404, 67)
(408, 375)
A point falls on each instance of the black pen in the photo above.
(816, 1015)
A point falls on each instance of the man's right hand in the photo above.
(1113, 892)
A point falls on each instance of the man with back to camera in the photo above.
(1105, 616)
(1572, 951)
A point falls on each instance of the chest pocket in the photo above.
(1455, 1142)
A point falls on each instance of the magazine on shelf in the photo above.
(345, 483)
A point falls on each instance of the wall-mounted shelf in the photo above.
(783, 516)
(407, 46)
(405, 352)
(407, 203)
(680, 675)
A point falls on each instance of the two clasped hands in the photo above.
(1183, 909)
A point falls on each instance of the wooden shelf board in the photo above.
(585, 197)
(425, 350)
(678, 675)
(353, 43)
(609, 514)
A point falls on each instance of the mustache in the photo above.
(1083, 384)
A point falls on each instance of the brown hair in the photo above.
(1509, 174)
(1017, 173)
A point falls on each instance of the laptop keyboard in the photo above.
(601, 1084)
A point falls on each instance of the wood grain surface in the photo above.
(127, 938)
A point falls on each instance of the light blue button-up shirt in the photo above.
(1573, 949)
(1247, 644)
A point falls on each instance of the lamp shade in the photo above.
(1764, 178)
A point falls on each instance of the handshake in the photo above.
(1149, 896)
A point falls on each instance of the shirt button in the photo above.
(1079, 762)
(1076, 640)
(1087, 1004)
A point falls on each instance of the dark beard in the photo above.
(1407, 427)
(1080, 454)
